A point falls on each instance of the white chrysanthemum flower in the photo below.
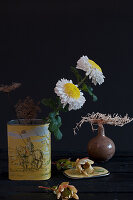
(92, 70)
(69, 94)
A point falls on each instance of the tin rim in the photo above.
(21, 122)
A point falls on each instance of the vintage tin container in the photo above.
(29, 151)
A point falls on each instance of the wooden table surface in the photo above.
(117, 186)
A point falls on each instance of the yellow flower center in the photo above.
(71, 90)
(94, 65)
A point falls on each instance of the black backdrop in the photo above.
(40, 40)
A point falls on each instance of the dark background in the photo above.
(40, 40)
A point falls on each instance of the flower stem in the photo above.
(59, 106)
(81, 82)
(47, 188)
(54, 163)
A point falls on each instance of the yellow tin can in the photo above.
(29, 151)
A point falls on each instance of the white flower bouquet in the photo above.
(70, 95)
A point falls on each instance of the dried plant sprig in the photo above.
(64, 191)
(9, 88)
(27, 109)
(99, 118)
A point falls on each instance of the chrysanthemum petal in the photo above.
(92, 70)
(70, 95)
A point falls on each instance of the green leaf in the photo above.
(84, 87)
(58, 119)
(49, 102)
(55, 123)
(58, 134)
(95, 98)
(55, 119)
(89, 89)
(77, 74)
(53, 126)
(52, 115)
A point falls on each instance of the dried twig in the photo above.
(99, 118)
(9, 88)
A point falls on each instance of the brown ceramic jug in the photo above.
(101, 148)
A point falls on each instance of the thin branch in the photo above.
(9, 88)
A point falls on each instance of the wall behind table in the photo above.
(40, 41)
